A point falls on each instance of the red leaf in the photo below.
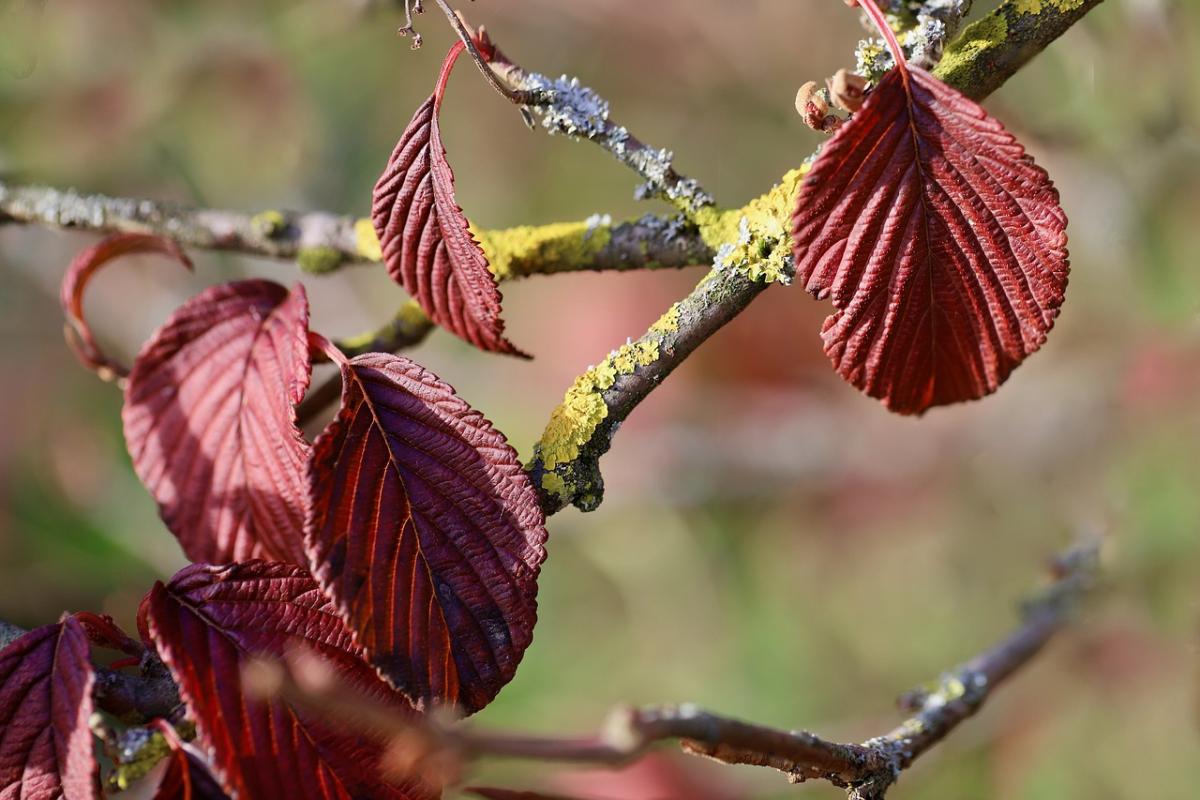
(210, 422)
(187, 776)
(939, 241)
(426, 243)
(426, 532)
(46, 682)
(79, 273)
(208, 622)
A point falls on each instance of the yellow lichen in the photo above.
(553, 484)
(1038, 6)
(520, 251)
(668, 322)
(583, 409)
(366, 240)
(756, 239)
(269, 223)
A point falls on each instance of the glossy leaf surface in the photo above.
(208, 622)
(939, 241)
(426, 532)
(426, 242)
(46, 680)
(210, 422)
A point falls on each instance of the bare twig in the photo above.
(567, 107)
(865, 770)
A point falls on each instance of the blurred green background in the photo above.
(773, 545)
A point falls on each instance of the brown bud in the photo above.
(811, 106)
(846, 89)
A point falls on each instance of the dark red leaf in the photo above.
(207, 622)
(46, 682)
(426, 243)
(79, 273)
(187, 776)
(210, 422)
(426, 532)
(939, 241)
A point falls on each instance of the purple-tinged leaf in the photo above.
(939, 241)
(210, 422)
(187, 776)
(46, 749)
(208, 622)
(426, 242)
(426, 533)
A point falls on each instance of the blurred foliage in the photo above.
(773, 545)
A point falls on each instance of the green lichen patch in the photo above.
(269, 223)
(1038, 6)
(961, 57)
(756, 239)
(523, 250)
(319, 260)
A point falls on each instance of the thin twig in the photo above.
(865, 770)
(520, 97)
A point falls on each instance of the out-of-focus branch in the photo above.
(753, 249)
(321, 242)
(866, 771)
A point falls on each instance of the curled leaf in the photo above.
(426, 242)
(426, 533)
(939, 241)
(46, 679)
(210, 422)
(80, 272)
(208, 622)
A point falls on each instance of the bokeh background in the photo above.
(773, 545)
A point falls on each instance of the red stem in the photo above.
(439, 90)
(318, 344)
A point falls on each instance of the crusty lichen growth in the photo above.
(756, 239)
(996, 46)
(528, 249)
(583, 408)
(962, 54)
(565, 474)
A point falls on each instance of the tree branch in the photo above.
(323, 242)
(753, 249)
(434, 746)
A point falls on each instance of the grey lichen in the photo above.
(923, 27)
(574, 110)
